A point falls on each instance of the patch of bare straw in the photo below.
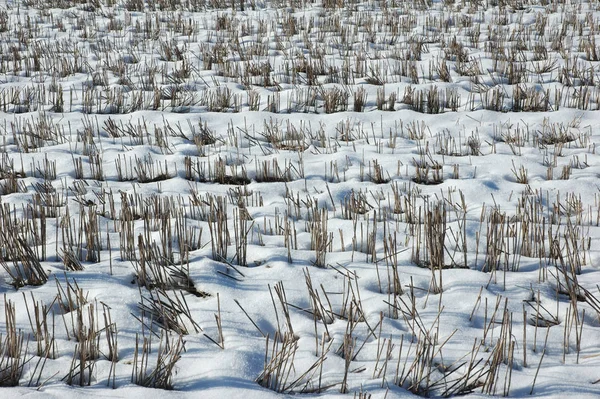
(168, 354)
(279, 373)
(13, 347)
(167, 311)
(26, 268)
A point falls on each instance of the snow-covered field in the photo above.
(330, 198)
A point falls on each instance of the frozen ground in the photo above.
(366, 199)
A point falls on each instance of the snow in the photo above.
(352, 174)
